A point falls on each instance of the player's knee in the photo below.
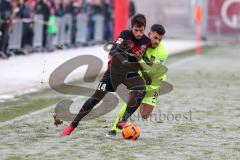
(146, 110)
(145, 115)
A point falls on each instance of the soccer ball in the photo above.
(131, 131)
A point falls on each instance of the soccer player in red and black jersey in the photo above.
(123, 68)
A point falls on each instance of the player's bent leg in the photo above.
(148, 103)
(135, 99)
(86, 108)
(137, 89)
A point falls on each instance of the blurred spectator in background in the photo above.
(73, 8)
(6, 13)
(60, 10)
(14, 12)
(51, 4)
(84, 6)
(27, 15)
(108, 19)
(41, 7)
(16, 5)
(131, 12)
(51, 30)
(94, 9)
(132, 9)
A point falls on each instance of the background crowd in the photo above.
(11, 10)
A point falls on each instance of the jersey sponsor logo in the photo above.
(119, 41)
(152, 58)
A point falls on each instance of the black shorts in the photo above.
(118, 73)
(109, 84)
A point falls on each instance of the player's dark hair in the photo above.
(158, 28)
(139, 20)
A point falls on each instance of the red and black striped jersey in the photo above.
(132, 45)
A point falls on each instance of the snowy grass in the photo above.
(208, 86)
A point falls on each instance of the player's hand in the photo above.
(126, 45)
(139, 54)
(147, 78)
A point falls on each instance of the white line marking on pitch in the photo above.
(2, 124)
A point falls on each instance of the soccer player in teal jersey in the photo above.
(155, 55)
